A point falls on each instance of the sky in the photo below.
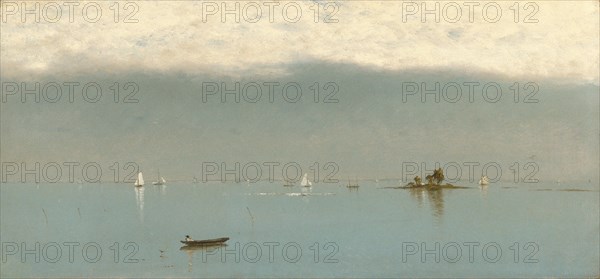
(369, 51)
(184, 36)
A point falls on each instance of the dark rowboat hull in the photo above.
(206, 242)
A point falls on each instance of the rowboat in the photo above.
(206, 242)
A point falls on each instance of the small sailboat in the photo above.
(352, 185)
(195, 180)
(160, 180)
(484, 180)
(288, 183)
(305, 182)
(139, 182)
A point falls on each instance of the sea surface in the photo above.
(117, 230)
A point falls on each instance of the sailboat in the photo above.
(305, 182)
(354, 185)
(288, 183)
(484, 180)
(160, 180)
(139, 182)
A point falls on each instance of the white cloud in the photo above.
(171, 36)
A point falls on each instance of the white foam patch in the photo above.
(290, 194)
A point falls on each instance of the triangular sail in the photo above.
(159, 179)
(305, 181)
(140, 180)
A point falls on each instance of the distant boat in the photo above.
(305, 182)
(484, 180)
(159, 180)
(207, 242)
(352, 185)
(139, 182)
(195, 180)
(288, 183)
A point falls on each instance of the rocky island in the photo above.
(434, 182)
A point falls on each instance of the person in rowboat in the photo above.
(188, 238)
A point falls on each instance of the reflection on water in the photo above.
(139, 199)
(417, 194)
(435, 198)
(203, 249)
(162, 189)
(299, 215)
(352, 189)
(305, 191)
(484, 191)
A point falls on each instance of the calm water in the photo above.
(338, 232)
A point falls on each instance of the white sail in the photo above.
(305, 182)
(159, 180)
(140, 180)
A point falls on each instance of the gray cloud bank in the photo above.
(368, 133)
